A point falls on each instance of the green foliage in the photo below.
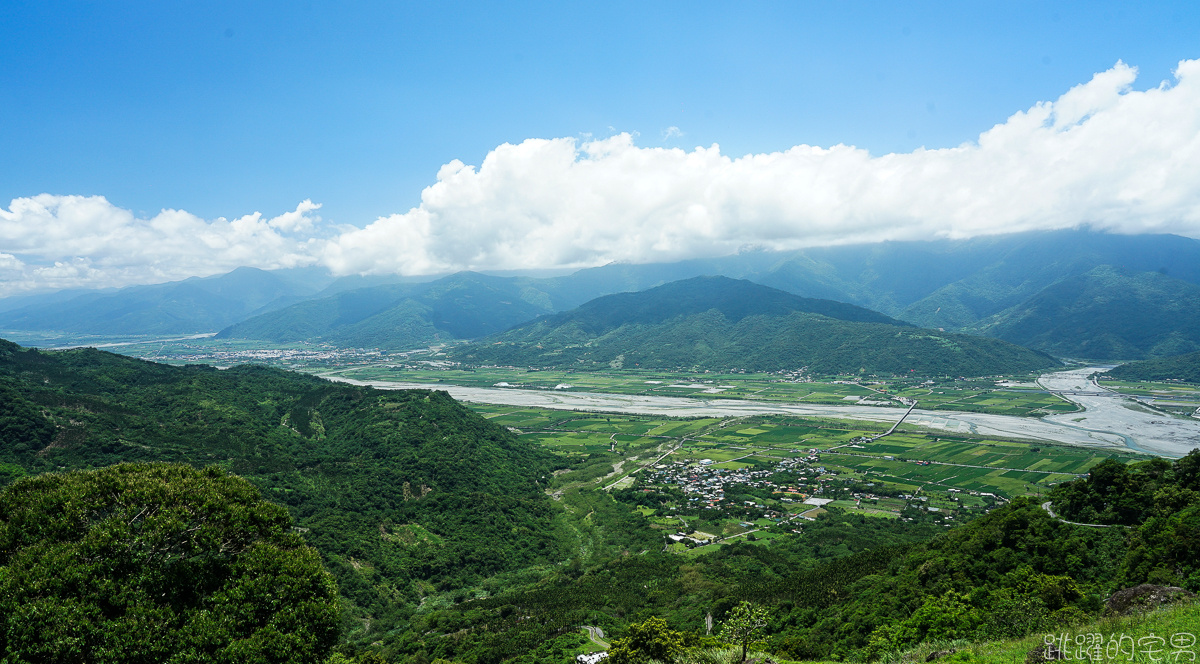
(1119, 494)
(1184, 367)
(940, 618)
(648, 640)
(1107, 313)
(403, 493)
(157, 563)
(744, 625)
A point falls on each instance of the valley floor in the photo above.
(1142, 428)
(1107, 423)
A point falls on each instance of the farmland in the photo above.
(726, 478)
(1001, 395)
(1175, 398)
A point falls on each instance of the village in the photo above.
(762, 498)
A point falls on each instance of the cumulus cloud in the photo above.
(69, 241)
(1102, 155)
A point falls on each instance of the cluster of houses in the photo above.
(704, 483)
(314, 353)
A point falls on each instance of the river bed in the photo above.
(1142, 429)
(1106, 424)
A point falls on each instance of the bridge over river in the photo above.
(1106, 423)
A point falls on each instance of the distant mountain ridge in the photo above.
(718, 323)
(734, 298)
(399, 316)
(979, 285)
(1106, 313)
(181, 307)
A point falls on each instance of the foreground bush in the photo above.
(157, 563)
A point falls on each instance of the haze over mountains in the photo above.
(1069, 293)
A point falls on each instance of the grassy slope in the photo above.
(1175, 619)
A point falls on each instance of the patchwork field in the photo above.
(1013, 395)
(952, 476)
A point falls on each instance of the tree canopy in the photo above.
(147, 562)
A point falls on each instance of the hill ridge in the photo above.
(684, 324)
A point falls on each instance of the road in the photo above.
(1046, 506)
(597, 636)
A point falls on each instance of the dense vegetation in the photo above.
(436, 525)
(856, 587)
(1159, 501)
(1012, 572)
(1184, 367)
(1106, 313)
(403, 493)
(721, 324)
(150, 563)
(400, 316)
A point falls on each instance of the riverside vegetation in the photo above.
(444, 543)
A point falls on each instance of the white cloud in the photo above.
(71, 241)
(1102, 155)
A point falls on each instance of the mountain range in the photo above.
(1073, 293)
(397, 316)
(718, 323)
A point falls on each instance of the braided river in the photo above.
(1108, 421)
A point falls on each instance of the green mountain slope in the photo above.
(956, 285)
(720, 323)
(462, 306)
(1184, 367)
(1106, 313)
(967, 279)
(402, 492)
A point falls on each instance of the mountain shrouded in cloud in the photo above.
(1102, 155)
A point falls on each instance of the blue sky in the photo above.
(225, 109)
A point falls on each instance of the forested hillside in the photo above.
(1184, 367)
(152, 563)
(720, 324)
(404, 493)
(438, 529)
(1107, 313)
(852, 587)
